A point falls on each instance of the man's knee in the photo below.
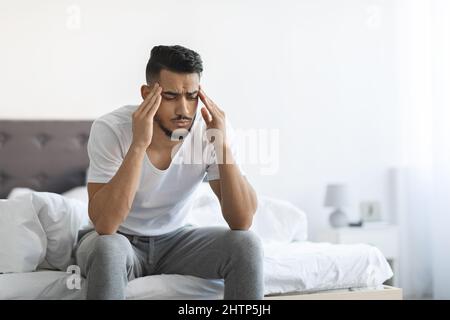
(245, 244)
(113, 247)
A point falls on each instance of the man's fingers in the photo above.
(150, 99)
(211, 103)
(152, 102)
(155, 106)
(207, 102)
(147, 99)
(206, 116)
(208, 99)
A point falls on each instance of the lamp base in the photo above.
(338, 219)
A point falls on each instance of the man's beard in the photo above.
(169, 133)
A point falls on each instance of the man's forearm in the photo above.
(239, 201)
(111, 204)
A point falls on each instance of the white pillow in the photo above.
(56, 258)
(61, 219)
(79, 193)
(275, 220)
(278, 220)
(23, 241)
(17, 192)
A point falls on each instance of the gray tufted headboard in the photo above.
(44, 155)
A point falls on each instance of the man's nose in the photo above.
(183, 107)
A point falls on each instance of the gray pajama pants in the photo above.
(109, 261)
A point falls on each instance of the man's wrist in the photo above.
(223, 153)
(137, 148)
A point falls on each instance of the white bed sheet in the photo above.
(316, 266)
(295, 267)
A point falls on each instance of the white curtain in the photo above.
(423, 207)
(440, 222)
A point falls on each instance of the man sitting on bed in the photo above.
(141, 179)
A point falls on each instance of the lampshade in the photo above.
(336, 196)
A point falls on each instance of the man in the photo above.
(141, 181)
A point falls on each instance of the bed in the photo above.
(50, 156)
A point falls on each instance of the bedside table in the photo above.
(384, 237)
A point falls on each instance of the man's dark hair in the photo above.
(173, 58)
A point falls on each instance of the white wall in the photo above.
(320, 71)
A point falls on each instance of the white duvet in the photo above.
(291, 263)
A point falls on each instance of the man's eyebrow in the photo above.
(177, 94)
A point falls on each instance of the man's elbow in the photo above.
(242, 224)
(240, 227)
(105, 229)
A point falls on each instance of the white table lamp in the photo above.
(337, 197)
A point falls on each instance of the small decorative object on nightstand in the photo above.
(337, 197)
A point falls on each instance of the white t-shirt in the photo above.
(164, 197)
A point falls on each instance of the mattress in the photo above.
(301, 267)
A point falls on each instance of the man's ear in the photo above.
(145, 90)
